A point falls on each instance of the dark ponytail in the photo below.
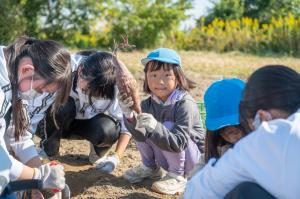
(270, 87)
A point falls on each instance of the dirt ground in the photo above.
(86, 182)
(203, 68)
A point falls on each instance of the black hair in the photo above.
(184, 83)
(99, 70)
(270, 87)
(86, 52)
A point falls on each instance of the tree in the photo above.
(225, 9)
(263, 10)
(12, 22)
(63, 19)
(92, 23)
(146, 22)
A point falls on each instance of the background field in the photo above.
(203, 68)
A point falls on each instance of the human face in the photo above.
(231, 134)
(161, 82)
(263, 115)
(28, 78)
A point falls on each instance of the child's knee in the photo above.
(109, 130)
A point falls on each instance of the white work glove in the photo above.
(147, 121)
(108, 164)
(52, 176)
(126, 103)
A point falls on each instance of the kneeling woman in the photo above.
(92, 112)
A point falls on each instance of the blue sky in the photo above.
(200, 8)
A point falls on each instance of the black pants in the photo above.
(101, 130)
(248, 190)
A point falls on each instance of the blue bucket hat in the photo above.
(164, 55)
(222, 100)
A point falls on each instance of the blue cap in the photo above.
(164, 55)
(222, 100)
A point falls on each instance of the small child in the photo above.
(168, 132)
(222, 100)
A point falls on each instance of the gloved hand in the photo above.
(147, 121)
(108, 164)
(126, 104)
(52, 176)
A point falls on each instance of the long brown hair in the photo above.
(50, 60)
(213, 140)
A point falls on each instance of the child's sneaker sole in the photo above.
(167, 192)
(133, 180)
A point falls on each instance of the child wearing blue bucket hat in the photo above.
(222, 101)
(168, 132)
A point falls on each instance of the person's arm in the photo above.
(174, 139)
(23, 149)
(34, 162)
(122, 144)
(109, 164)
(27, 173)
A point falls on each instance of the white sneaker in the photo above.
(170, 184)
(141, 172)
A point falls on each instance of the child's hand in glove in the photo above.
(52, 176)
(126, 103)
(147, 121)
(108, 164)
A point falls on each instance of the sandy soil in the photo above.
(86, 182)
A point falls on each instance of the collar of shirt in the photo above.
(175, 96)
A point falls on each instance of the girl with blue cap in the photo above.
(223, 130)
(222, 100)
(264, 163)
(168, 132)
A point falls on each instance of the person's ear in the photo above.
(264, 115)
(25, 69)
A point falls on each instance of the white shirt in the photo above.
(23, 149)
(4, 168)
(4, 84)
(110, 107)
(268, 156)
